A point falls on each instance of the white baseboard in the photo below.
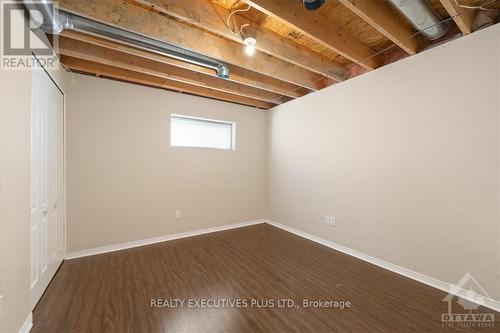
(446, 287)
(148, 241)
(28, 324)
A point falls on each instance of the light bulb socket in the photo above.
(249, 41)
(249, 45)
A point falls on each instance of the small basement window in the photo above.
(201, 133)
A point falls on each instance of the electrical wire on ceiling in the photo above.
(241, 32)
(234, 12)
(481, 7)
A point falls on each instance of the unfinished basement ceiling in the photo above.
(297, 51)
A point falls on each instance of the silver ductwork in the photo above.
(44, 16)
(422, 17)
(54, 22)
(81, 24)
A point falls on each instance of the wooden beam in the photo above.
(211, 17)
(140, 78)
(317, 27)
(89, 52)
(141, 20)
(383, 18)
(238, 74)
(463, 17)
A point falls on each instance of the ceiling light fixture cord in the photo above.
(243, 27)
(231, 14)
(482, 7)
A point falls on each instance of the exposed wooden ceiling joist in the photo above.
(299, 51)
(238, 74)
(86, 51)
(211, 17)
(463, 17)
(140, 78)
(383, 18)
(143, 21)
(293, 14)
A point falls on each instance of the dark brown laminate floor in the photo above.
(112, 292)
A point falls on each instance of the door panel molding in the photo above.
(48, 180)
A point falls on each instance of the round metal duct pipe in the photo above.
(54, 22)
(42, 13)
(81, 24)
(422, 17)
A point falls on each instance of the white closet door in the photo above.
(47, 182)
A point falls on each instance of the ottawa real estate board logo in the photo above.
(23, 43)
(465, 308)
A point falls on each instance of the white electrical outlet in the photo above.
(332, 220)
(178, 214)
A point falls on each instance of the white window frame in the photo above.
(233, 131)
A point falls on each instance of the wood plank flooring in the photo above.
(113, 292)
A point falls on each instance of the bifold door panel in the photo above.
(47, 181)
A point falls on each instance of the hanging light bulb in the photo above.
(249, 45)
